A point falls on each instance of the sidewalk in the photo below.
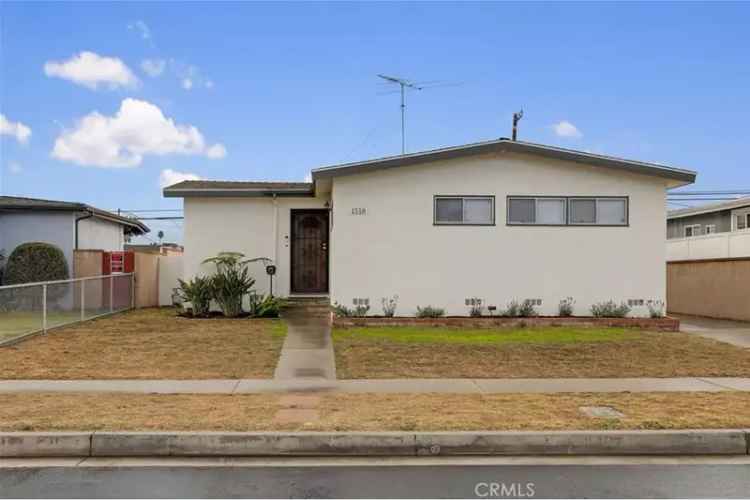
(454, 386)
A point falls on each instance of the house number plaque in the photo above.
(359, 211)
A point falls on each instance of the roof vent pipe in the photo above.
(516, 118)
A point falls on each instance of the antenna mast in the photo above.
(403, 84)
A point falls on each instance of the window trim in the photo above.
(508, 222)
(567, 199)
(709, 229)
(693, 227)
(461, 197)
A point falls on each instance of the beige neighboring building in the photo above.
(499, 220)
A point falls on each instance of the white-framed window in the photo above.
(709, 229)
(741, 220)
(598, 211)
(568, 210)
(692, 230)
(546, 211)
(464, 210)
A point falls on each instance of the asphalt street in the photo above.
(470, 477)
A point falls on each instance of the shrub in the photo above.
(342, 311)
(610, 309)
(389, 306)
(511, 310)
(527, 309)
(2, 267)
(516, 309)
(361, 310)
(266, 307)
(430, 312)
(232, 281)
(476, 309)
(198, 291)
(32, 262)
(656, 308)
(565, 308)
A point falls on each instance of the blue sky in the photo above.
(278, 89)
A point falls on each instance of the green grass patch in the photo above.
(278, 328)
(15, 323)
(439, 335)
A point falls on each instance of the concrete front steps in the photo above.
(313, 307)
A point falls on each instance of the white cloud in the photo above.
(142, 28)
(217, 151)
(15, 167)
(169, 177)
(190, 76)
(153, 67)
(187, 83)
(209, 84)
(91, 70)
(138, 128)
(18, 130)
(567, 129)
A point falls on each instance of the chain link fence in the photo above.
(37, 307)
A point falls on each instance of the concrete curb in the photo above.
(176, 444)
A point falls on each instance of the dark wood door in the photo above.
(309, 251)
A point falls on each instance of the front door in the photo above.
(309, 251)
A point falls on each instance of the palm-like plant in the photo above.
(198, 291)
(232, 280)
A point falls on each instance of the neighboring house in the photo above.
(67, 225)
(499, 220)
(708, 219)
(160, 249)
(715, 231)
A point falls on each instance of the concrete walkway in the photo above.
(307, 357)
(732, 332)
(461, 386)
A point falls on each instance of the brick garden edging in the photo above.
(666, 324)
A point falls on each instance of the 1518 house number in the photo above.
(359, 211)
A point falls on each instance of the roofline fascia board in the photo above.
(119, 220)
(237, 193)
(503, 145)
(708, 210)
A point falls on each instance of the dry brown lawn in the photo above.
(149, 344)
(631, 354)
(372, 412)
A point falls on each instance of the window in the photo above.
(742, 221)
(709, 229)
(542, 211)
(468, 210)
(611, 211)
(561, 211)
(692, 230)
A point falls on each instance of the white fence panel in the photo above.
(710, 246)
(170, 270)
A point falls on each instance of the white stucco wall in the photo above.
(395, 249)
(246, 225)
(55, 228)
(100, 234)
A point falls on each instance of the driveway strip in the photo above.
(385, 386)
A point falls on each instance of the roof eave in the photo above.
(682, 176)
(237, 193)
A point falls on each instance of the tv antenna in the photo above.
(404, 86)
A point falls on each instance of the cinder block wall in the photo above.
(718, 288)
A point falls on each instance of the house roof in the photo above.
(711, 207)
(18, 204)
(506, 145)
(238, 189)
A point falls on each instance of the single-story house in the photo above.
(67, 225)
(498, 221)
(725, 217)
